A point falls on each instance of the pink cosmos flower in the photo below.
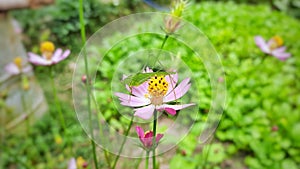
(77, 163)
(272, 47)
(49, 56)
(146, 138)
(155, 94)
(17, 67)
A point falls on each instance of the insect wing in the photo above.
(139, 78)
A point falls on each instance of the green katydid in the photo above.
(140, 78)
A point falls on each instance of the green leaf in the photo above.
(290, 164)
(295, 133)
(277, 155)
(216, 153)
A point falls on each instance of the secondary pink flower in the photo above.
(147, 138)
(17, 67)
(155, 94)
(49, 56)
(273, 47)
(78, 163)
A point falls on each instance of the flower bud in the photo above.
(83, 79)
(172, 24)
(274, 128)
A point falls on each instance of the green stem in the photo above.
(2, 117)
(206, 155)
(147, 160)
(137, 163)
(57, 104)
(161, 47)
(155, 112)
(154, 139)
(123, 143)
(88, 90)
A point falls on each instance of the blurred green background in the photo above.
(260, 127)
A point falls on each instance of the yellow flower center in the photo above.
(18, 62)
(158, 87)
(47, 49)
(276, 42)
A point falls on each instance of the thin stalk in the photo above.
(88, 90)
(123, 143)
(57, 104)
(3, 116)
(155, 112)
(154, 139)
(161, 47)
(147, 160)
(137, 163)
(206, 155)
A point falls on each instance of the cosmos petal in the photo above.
(170, 111)
(56, 55)
(261, 43)
(172, 81)
(177, 107)
(179, 91)
(158, 137)
(38, 60)
(145, 112)
(140, 90)
(132, 101)
(139, 131)
(281, 55)
(62, 57)
(27, 69)
(12, 69)
(72, 164)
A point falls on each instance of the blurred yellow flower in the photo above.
(58, 139)
(81, 162)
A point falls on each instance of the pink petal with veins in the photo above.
(179, 91)
(172, 81)
(145, 112)
(132, 101)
